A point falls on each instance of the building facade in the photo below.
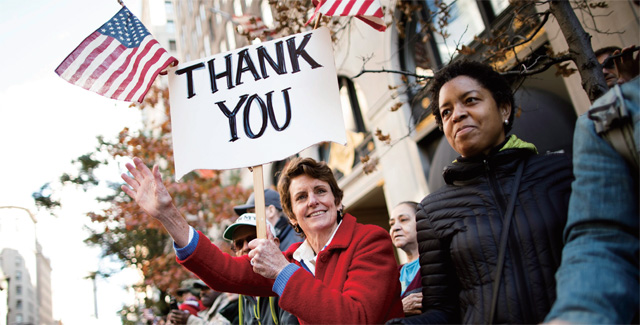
(408, 166)
(26, 272)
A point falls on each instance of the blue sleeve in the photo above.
(283, 278)
(186, 251)
(597, 281)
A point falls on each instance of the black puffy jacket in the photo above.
(459, 229)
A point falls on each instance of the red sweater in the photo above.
(356, 277)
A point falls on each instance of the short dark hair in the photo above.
(484, 74)
(305, 166)
(607, 50)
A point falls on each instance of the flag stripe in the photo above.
(374, 22)
(140, 53)
(98, 61)
(139, 95)
(157, 54)
(123, 81)
(91, 56)
(118, 74)
(332, 10)
(346, 8)
(99, 75)
(73, 62)
(363, 9)
(369, 11)
(73, 56)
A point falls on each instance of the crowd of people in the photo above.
(515, 236)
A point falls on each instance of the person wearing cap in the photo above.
(188, 299)
(344, 272)
(273, 213)
(215, 304)
(255, 310)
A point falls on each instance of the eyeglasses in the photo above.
(238, 244)
(608, 63)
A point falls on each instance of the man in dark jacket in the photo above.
(273, 212)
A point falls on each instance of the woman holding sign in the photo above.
(343, 272)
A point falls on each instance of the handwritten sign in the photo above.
(256, 104)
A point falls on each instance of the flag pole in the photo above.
(121, 2)
(315, 26)
(258, 192)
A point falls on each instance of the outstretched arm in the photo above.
(147, 189)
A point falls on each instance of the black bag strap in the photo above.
(504, 236)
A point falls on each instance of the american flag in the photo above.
(249, 25)
(120, 60)
(368, 11)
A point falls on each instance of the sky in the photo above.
(45, 123)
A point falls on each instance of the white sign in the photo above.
(255, 105)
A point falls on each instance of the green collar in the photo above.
(515, 143)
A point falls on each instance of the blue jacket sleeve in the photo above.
(597, 281)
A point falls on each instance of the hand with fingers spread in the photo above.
(266, 257)
(147, 189)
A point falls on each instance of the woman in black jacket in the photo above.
(460, 227)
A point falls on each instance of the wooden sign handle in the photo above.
(258, 192)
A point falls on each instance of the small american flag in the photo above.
(368, 11)
(249, 25)
(120, 60)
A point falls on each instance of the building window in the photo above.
(194, 44)
(267, 15)
(237, 8)
(231, 36)
(170, 27)
(499, 6)
(359, 139)
(463, 25)
(18, 275)
(172, 45)
(18, 289)
(19, 318)
(19, 304)
(350, 101)
(198, 23)
(168, 8)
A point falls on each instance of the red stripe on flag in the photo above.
(375, 25)
(171, 60)
(156, 57)
(97, 73)
(333, 8)
(133, 72)
(378, 13)
(364, 7)
(347, 9)
(75, 53)
(92, 56)
(117, 73)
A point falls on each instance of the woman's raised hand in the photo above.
(147, 189)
